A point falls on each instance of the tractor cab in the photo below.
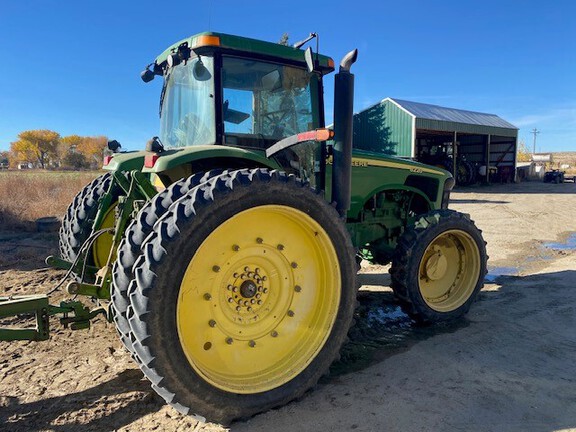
(239, 92)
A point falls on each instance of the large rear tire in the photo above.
(245, 294)
(130, 247)
(439, 266)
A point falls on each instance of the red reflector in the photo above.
(150, 160)
(316, 135)
(107, 160)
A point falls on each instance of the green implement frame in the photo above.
(75, 315)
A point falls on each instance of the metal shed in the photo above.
(479, 142)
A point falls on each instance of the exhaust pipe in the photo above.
(342, 150)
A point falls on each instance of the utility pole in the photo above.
(535, 132)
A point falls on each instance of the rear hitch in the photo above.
(75, 315)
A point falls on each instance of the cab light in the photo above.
(206, 41)
(107, 160)
(150, 160)
(331, 63)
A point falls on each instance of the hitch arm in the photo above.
(75, 315)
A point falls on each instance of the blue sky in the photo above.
(73, 66)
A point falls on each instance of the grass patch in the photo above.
(28, 195)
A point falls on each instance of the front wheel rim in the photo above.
(259, 299)
(449, 270)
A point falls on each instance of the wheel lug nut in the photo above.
(297, 288)
(280, 247)
(207, 296)
(258, 295)
(265, 290)
(229, 341)
(257, 270)
(246, 269)
(274, 333)
(249, 309)
(250, 274)
(259, 240)
(207, 346)
(251, 344)
(264, 278)
(246, 303)
(235, 275)
(215, 269)
(259, 302)
(235, 289)
(290, 313)
(230, 300)
(229, 287)
(294, 265)
(235, 248)
(252, 301)
(243, 277)
(212, 323)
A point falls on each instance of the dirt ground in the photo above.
(509, 366)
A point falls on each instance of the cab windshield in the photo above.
(264, 102)
(187, 111)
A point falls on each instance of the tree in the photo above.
(93, 149)
(523, 153)
(75, 160)
(4, 159)
(39, 146)
(371, 132)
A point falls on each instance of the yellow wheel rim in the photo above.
(449, 270)
(259, 299)
(103, 243)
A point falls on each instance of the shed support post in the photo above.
(488, 139)
(454, 154)
(515, 161)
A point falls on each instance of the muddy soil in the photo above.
(509, 366)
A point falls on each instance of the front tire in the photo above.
(439, 266)
(245, 294)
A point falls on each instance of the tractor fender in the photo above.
(217, 156)
(126, 161)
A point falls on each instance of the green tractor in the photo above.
(229, 247)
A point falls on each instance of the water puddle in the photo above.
(382, 329)
(568, 245)
(495, 272)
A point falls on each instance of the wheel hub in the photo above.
(248, 289)
(436, 266)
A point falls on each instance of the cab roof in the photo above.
(242, 45)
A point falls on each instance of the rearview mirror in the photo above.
(309, 60)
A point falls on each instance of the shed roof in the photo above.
(439, 113)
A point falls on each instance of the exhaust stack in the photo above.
(342, 151)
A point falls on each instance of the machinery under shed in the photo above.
(474, 146)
